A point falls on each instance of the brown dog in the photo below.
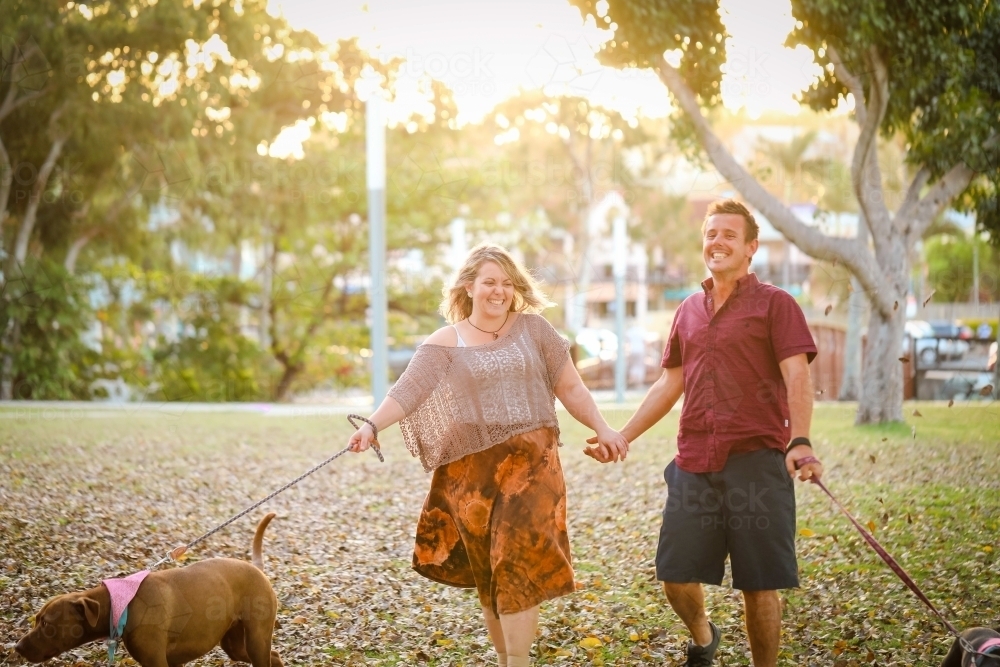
(176, 616)
(977, 638)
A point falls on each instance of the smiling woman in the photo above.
(476, 404)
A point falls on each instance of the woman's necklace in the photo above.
(496, 334)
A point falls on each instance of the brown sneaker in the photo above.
(703, 656)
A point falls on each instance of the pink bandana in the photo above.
(122, 591)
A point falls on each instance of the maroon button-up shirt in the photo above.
(734, 395)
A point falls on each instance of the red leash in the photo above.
(989, 647)
(879, 549)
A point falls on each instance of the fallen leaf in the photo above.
(872, 456)
(988, 549)
(591, 643)
(871, 526)
(909, 519)
(299, 620)
(986, 391)
(634, 636)
(905, 360)
(445, 642)
(884, 439)
(951, 402)
(805, 532)
(895, 305)
(916, 413)
(827, 310)
(928, 299)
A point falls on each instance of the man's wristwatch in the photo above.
(796, 442)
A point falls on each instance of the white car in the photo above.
(929, 348)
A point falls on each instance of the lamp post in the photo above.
(377, 300)
(620, 245)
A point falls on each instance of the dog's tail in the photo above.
(258, 542)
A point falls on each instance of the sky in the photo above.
(486, 50)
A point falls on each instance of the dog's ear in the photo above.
(91, 611)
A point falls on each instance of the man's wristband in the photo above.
(796, 442)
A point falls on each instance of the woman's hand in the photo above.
(361, 439)
(611, 446)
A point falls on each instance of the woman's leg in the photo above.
(495, 630)
(519, 634)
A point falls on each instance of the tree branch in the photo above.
(74, 250)
(852, 82)
(851, 252)
(6, 181)
(912, 197)
(866, 176)
(11, 101)
(944, 190)
(31, 212)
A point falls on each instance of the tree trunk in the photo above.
(285, 383)
(35, 198)
(11, 337)
(882, 390)
(857, 314)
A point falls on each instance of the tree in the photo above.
(921, 69)
(567, 156)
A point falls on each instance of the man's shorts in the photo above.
(746, 512)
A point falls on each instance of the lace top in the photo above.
(462, 400)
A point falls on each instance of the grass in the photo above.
(84, 498)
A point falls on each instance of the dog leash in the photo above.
(893, 564)
(177, 552)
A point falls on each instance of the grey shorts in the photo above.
(745, 512)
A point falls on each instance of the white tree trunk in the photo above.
(857, 315)
(883, 276)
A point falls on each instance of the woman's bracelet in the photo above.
(351, 419)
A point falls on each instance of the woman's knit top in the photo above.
(462, 400)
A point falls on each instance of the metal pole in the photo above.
(378, 303)
(619, 243)
(975, 270)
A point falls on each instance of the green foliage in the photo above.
(49, 310)
(950, 269)
(209, 358)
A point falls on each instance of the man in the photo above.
(740, 354)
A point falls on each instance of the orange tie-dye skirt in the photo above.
(496, 521)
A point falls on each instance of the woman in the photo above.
(476, 404)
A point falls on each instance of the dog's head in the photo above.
(975, 647)
(63, 623)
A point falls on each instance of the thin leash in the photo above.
(177, 552)
(893, 565)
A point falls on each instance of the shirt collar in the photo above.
(748, 281)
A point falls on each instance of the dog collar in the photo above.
(122, 591)
(989, 653)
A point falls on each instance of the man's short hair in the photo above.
(731, 206)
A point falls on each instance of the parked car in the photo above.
(991, 363)
(930, 348)
(951, 329)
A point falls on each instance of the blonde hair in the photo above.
(528, 296)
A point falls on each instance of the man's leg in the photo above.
(688, 601)
(519, 634)
(763, 614)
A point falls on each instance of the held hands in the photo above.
(611, 446)
(808, 471)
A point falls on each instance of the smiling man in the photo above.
(739, 352)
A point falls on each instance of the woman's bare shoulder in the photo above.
(445, 336)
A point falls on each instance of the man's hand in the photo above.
(611, 446)
(807, 471)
